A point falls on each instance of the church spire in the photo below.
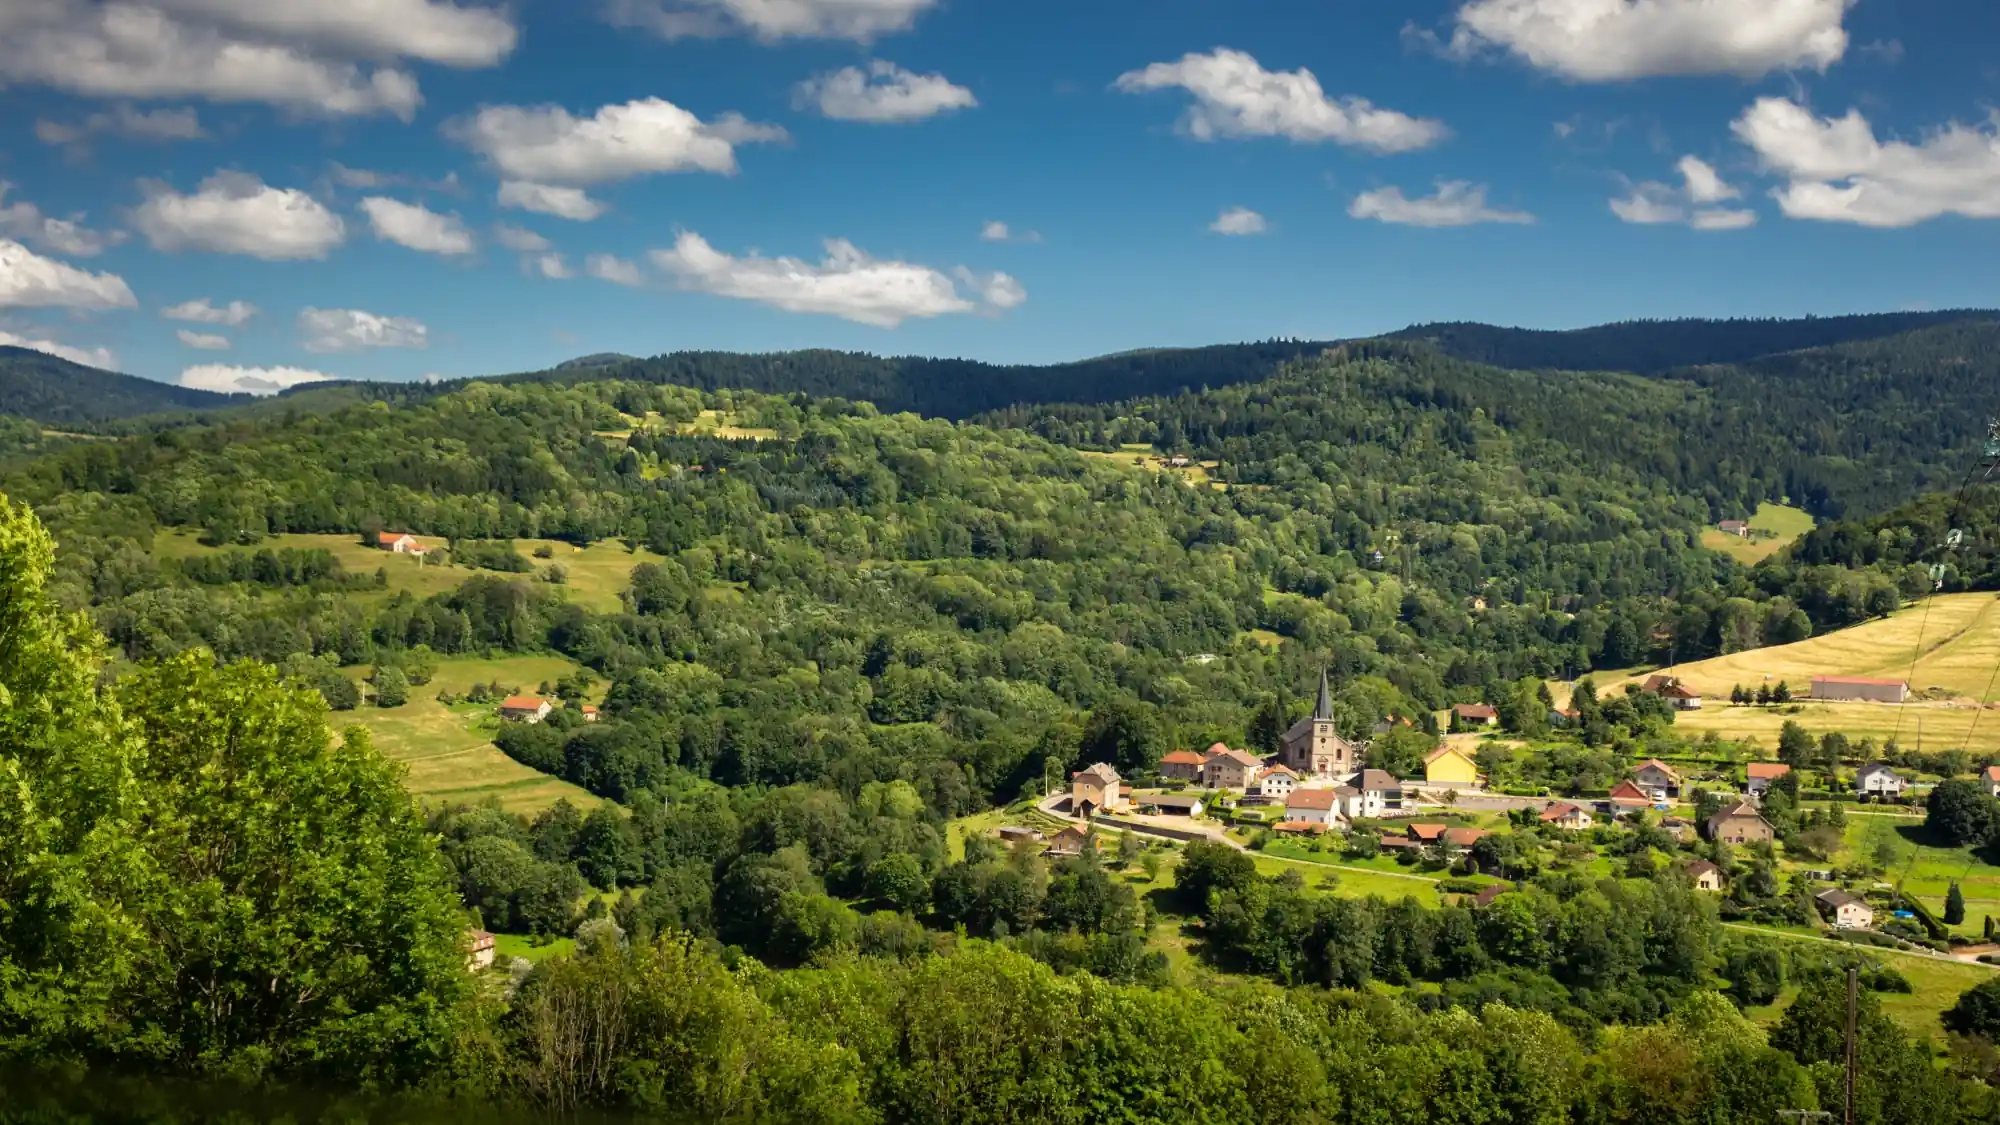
(1323, 711)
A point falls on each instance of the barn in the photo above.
(1855, 690)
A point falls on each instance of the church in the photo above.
(1313, 745)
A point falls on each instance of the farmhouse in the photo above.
(1476, 714)
(1231, 769)
(1276, 783)
(1428, 833)
(1860, 690)
(399, 543)
(1458, 839)
(1670, 688)
(1448, 765)
(1182, 765)
(1990, 777)
(1658, 779)
(1562, 814)
(1094, 790)
(1070, 841)
(1762, 775)
(1738, 528)
(588, 711)
(1740, 825)
(1845, 911)
(1313, 806)
(1705, 875)
(1171, 804)
(482, 950)
(524, 709)
(1313, 745)
(1877, 780)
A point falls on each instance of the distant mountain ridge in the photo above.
(56, 392)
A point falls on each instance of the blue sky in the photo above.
(244, 194)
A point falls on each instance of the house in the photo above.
(1760, 776)
(1658, 779)
(482, 950)
(1347, 799)
(1990, 777)
(1170, 804)
(1670, 688)
(1844, 910)
(1706, 876)
(1448, 765)
(1459, 839)
(1627, 798)
(1380, 792)
(1740, 824)
(524, 709)
(589, 712)
(1231, 769)
(399, 543)
(1070, 841)
(1276, 783)
(1094, 790)
(1562, 717)
(1313, 746)
(1878, 780)
(1011, 834)
(1316, 806)
(1182, 765)
(1562, 814)
(1738, 528)
(1476, 714)
(1427, 833)
(1854, 689)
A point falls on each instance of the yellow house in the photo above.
(1448, 765)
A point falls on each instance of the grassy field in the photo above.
(449, 751)
(1928, 727)
(1925, 871)
(597, 574)
(718, 424)
(1936, 984)
(515, 945)
(1144, 457)
(1783, 525)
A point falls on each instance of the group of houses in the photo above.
(533, 709)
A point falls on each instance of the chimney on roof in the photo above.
(1323, 711)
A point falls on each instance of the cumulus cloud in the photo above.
(608, 267)
(519, 239)
(1456, 203)
(417, 227)
(548, 145)
(89, 357)
(543, 199)
(122, 120)
(369, 179)
(1237, 97)
(28, 280)
(847, 283)
(236, 213)
(1692, 203)
(24, 220)
(1617, 40)
(882, 94)
(1239, 221)
(324, 331)
(202, 311)
(997, 231)
(259, 381)
(1837, 171)
(768, 20)
(203, 341)
(550, 266)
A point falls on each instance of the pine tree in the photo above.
(1954, 906)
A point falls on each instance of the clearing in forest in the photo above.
(1772, 529)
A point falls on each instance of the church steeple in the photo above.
(1323, 711)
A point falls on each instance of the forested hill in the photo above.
(1657, 346)
(57, 392)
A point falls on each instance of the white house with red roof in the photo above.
(525, 708)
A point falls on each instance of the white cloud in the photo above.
(1692, 203)
(28, 280)
(89, 357)
(448, 33)
(62, 236)
(547, 145)
(1456, 203)
(203, 341)
(562, 202)
(847, 283)
(883, 94)
(1617, 40)
(606, 267)
(123, 121)
(417, 227)
(1236, 97)
(346, 330)
(769, 20)
(1837, 171)
(368, 179)
(236, 213)
(519, 239)
(550, 266)
(201, 311)
(248, 380)
(1239, 220)
(997, 231)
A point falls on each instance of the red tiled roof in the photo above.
(1476, 711)
(1558, 810)
(1629, 791)
(1299, 826)
(1183, 758)
(1427, 831)
(1992, 773)
(523, 703)
(1464, 837)
(1310, 799)
(1771, 770)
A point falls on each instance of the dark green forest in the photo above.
(57, 392)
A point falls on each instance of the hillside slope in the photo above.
(57, 392)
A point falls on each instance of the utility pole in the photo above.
(1853, 987)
